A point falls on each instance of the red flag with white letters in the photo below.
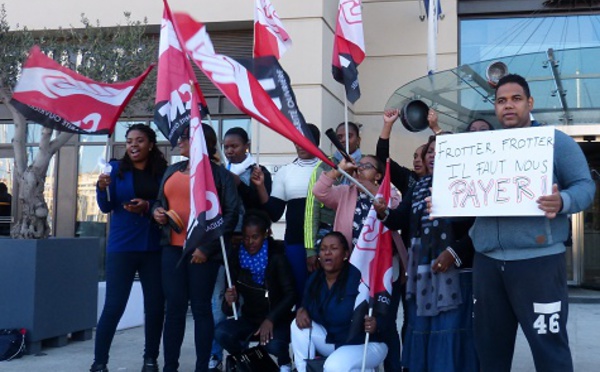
(206, 221)
(174, 84)
(348, 47)
(59, 98)
(372, 255)
(239, 85)
(270, 37)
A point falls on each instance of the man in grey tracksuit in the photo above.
(519, 272)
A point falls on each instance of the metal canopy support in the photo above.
(560, 91)
(479, 80)
(436, 98)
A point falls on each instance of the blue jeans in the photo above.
(296, 255)
(217, 310)
(183, 284)
(233, 335)
(120, 272)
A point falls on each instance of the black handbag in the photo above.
(254, 359)
(316, 364)
(12, 343)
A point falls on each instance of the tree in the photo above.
(102, 54)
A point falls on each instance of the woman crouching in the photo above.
(262, 276)
(323, 322)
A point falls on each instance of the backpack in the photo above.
(12, 343)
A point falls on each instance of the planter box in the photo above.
(49, 287)
(133, 316)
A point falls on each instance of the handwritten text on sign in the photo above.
(493, 173)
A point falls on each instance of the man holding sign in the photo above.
(519, 269)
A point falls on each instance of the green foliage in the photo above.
(106, 54)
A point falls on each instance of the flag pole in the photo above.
(219, 147)
(106, 155)
(227, 273)
(354, 181)
(257, 145)
(346, 124)
(364, 359)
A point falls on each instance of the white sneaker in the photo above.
(214, 364)
(286, 368)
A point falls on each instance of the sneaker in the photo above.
(214, 364)
(285, 368)
(97, 367)
(150, 365)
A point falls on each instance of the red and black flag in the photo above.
(372, 255)
(243, 89)
(270, 37)
(59, 98)
(348, 47)
(174, 84)
(206, 220)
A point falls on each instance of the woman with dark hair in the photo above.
(191, 282)
(290, 188)
(439, 335)
(262, 277)
(318, 219)
(323, 323)
(350, 203)
(240, 162)
(132, 243)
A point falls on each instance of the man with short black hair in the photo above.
(519, 272)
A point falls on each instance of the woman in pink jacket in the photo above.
(350, 203)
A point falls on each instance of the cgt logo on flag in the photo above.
(174, 84)
(270, 37)
(348, 47)
(56, 97)
(239, 84)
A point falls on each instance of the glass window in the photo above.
(34, 133)
(6, 191)
(88, 171)
(89, 138)
(159, 135)
(7, 133)
(485, 39)
(90, 221)
(121, 129)
(50, 180)
(243, 123)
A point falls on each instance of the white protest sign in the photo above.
(492, 173)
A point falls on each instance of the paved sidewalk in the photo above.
(126, 351)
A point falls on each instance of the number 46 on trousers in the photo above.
(551, 310)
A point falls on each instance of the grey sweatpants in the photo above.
(531, 293)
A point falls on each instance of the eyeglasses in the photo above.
(184, 137)
(365, 166)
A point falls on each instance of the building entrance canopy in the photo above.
(565, 85)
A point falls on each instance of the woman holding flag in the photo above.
(350, 203)
(262, 277)
(132, 243)
(352, 206)
(191, 281)
(439, 333)
(323, 322)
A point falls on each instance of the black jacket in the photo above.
(273, 300)
(228, 197)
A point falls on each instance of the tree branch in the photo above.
(60, 140)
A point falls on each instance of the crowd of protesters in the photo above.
(465, 287)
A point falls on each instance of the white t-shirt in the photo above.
(291, 181)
